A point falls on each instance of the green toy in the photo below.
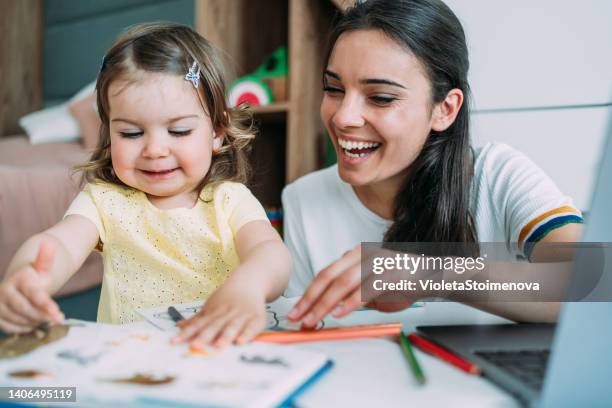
(275, 65)
(265, 85)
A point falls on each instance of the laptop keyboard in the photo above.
(527, 365)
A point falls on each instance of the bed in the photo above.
(36, 187)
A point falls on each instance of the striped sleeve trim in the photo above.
(540, 226)
(543, 219)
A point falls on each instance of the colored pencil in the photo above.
(417, 371)
(444, 354)
(338, 333)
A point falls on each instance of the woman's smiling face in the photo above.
(376, 108)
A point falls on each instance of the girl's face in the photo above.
(376, 108)
(162, 141)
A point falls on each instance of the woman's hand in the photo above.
(231, 315)
(24, 294)
(337, 289)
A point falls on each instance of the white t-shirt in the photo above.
(513, 201)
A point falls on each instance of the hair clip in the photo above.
(103, 65)
(193, 75)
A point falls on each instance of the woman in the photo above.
(395, 105)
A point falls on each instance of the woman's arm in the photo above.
(338, 288)
(536, 311)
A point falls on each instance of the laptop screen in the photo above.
(580, 368)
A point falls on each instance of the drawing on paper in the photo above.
(143, 379)
(279, 321)
(80, 357)
(29, 374)
(198, 351)
(145, 363)
(274, 361)
(276, 315)
(139, 337)
(18, 344)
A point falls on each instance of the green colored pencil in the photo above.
(409, 354)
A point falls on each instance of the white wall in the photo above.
(540, 72)
(566, 144)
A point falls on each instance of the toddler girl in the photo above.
(163, 201)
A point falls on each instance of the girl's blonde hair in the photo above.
(171, 48)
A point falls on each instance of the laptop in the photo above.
(547, 365)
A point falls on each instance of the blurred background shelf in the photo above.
(280, 107)
(291, 140)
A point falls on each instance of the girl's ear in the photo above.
(217, 140)
(218, 135)
(445, 112)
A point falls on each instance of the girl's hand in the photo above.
(337, 289)
(230, 315)
(24, 295)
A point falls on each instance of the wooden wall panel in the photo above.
(310, 23)
(245, 30)
(20, 61)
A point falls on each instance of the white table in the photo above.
(374, 372)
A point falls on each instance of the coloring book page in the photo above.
(136, 364)
(276, 315)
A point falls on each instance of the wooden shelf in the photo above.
(274, 113)
(272, 108)
(292, 139)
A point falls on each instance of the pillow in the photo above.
(84, 92)
(85, 112)
(50, 125)
(55, 124)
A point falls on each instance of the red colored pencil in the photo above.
(444, 354)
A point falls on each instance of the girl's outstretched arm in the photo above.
(40, 268)
(236, 311)
(264, 259)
